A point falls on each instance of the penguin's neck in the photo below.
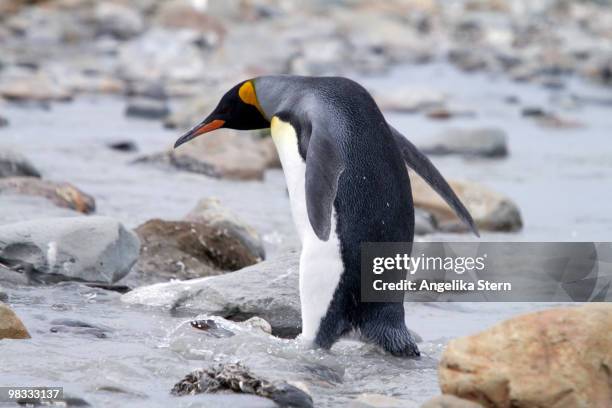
(275, 93)
(286, 142)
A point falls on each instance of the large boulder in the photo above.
(268, 289)
(61, 194)
(11, 326)
(14, 164)
(92, 249)
(491, 210)
(223, 153)
(209, 211)
(484, 142)
(186, 250)
(554, 358)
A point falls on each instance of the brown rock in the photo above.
(491, 210)
(61, 194)
(186, 250)
(555, 358)
(38, 87)
(449, 401)
(224, 153)
(11, 326)
(209, 211)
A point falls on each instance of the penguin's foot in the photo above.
(395, 340)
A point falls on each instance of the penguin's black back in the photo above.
(373, 201)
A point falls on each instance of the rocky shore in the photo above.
(190, 289)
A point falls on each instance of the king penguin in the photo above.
(345, 169)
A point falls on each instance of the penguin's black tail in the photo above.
(418, 162)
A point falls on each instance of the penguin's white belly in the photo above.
(320, 261)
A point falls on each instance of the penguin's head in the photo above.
(238, 109)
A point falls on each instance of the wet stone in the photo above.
(79, 328)
(239, 379)
(211, 328)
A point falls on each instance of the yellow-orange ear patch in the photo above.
(247, 94)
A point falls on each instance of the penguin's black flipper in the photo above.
(324, 165)
(418, 162)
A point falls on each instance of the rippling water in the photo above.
(134, 355)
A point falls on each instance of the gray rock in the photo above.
(186, 250)
(61, 194)
(209, 211)
(93, 249)
(117, 20)
(4, 122)
(17, 208)
(14, 164)
(485, 142)
(147, 108)
(268, 290)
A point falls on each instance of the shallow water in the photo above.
(557, 177)
(145, 351)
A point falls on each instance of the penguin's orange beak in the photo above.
(198, 130)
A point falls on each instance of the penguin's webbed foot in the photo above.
(397, 341)
(409, 349)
